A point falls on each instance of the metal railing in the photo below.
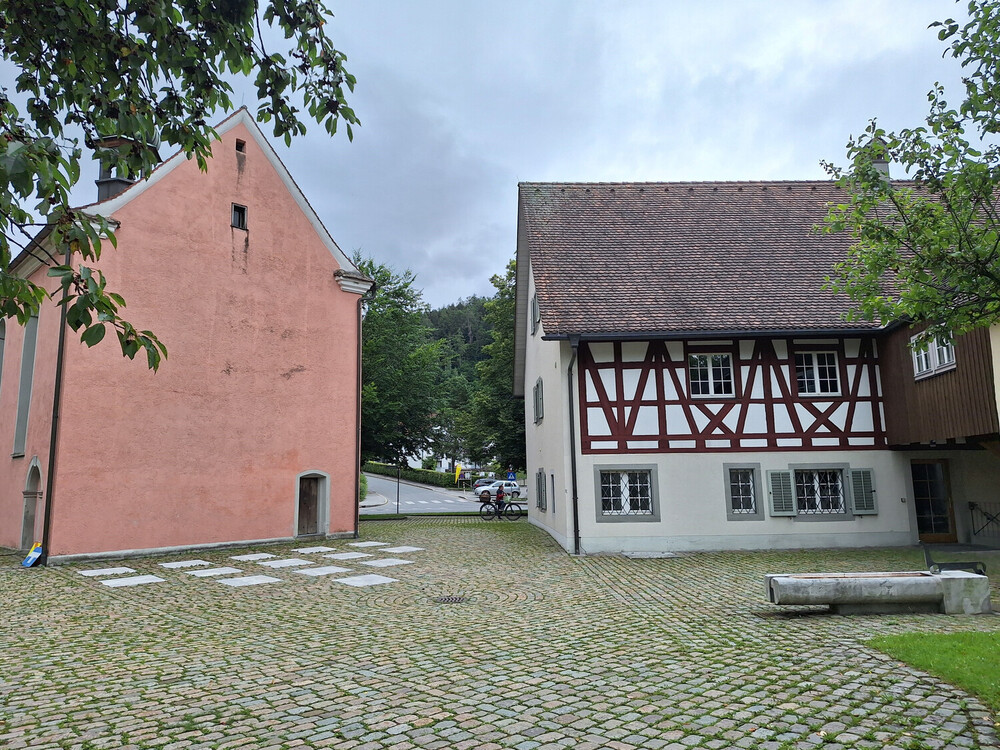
(985, 519)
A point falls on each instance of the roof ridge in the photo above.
(688, 182)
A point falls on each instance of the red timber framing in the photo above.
(636, 398)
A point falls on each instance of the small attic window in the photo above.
(241, 146)
(239, 216)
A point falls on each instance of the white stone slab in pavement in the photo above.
(309, 550)
(106, 572)
(386, 562)
(401, 549)
(368, 544)
(324, 571)
(291, 562)
(254, 556)
(132, 581)
(368, 580)
(205, 573)
(185, 564)
(347, 556)
(249, 580)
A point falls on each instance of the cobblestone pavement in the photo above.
(547, 652)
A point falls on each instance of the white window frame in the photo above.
(931, 359)
(816, 502)
(705, 362)
(811, 370)
(635, 512)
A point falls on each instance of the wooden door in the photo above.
(932, 499)
(308, 506)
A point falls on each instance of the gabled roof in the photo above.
(695, 257)
(241, 116)
(679, 260)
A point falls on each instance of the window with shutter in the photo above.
(863, 492)
(540, 490)
(539, 404)
(781, 493)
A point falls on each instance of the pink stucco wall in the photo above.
(14, 470)
(260, 383)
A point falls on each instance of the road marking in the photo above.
(106, 572)
(205, 573)
(132, 581)
(184, 564)
(348, 555)
(387, 562)
(289, 563)
(324, 571)
(249, 580)
(368, 580)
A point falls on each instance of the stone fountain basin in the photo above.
(951, 592)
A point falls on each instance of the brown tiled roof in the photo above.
(648, 258)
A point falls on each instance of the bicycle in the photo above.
(491, 509)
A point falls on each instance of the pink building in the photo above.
(249, 431)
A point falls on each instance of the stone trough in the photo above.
(950, 591)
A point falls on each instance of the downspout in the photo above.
(50, 479)
(366, 297)
(574, 342)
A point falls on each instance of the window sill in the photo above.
(937, 371)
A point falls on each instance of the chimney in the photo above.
(112, 180)
(880, 160)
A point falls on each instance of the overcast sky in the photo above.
(462, 99)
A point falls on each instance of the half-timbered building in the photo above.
(695, 386)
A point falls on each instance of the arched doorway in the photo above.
(312, 503)
(32, 496)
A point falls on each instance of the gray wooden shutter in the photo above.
(863, 492)
(540, 489)
(781, 493)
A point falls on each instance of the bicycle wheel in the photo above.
(512, 511)
(488, 511)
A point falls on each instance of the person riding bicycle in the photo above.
(500, 496)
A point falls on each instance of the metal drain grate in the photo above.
(450, 599)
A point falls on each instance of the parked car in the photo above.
(489, 491)
(482, 482)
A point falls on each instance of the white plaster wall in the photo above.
(691, 491)
(547, 442)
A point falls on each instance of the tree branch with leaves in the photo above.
(927, 249)
(153, 71)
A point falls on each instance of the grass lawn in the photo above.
(970, 661)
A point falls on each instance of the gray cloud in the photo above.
(459, 101)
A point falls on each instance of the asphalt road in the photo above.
(413, 498)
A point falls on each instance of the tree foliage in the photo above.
(400, 367)
(152, 70)
(495, 422)
(928, 249)
(462, 331)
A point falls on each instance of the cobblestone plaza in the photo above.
(477, 635)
